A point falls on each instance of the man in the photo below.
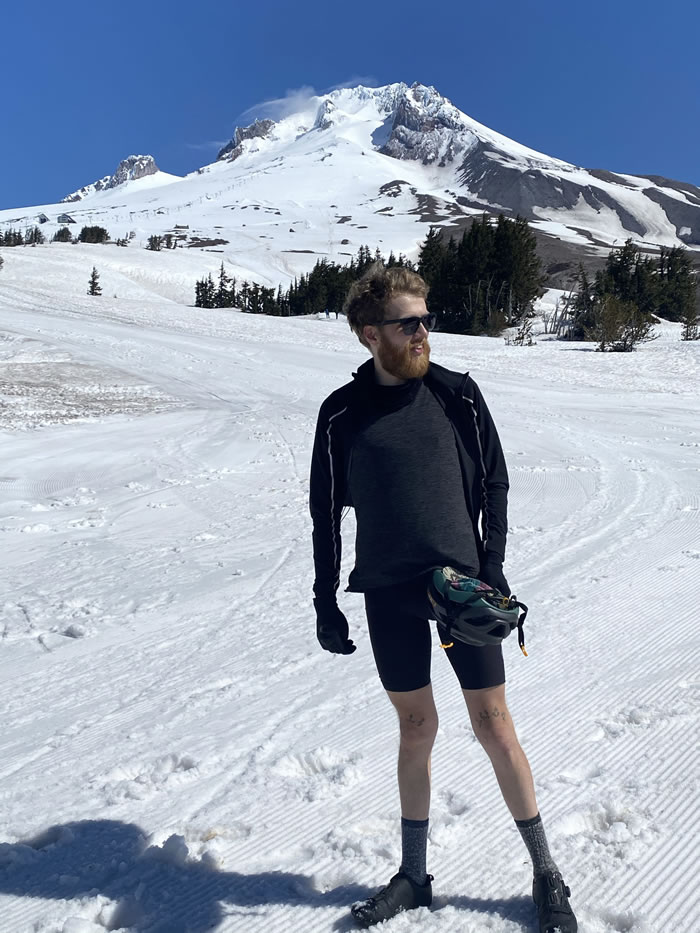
(411, 446)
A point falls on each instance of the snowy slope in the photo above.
(178, 754)
(374, 166)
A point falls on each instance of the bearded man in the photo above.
(412, 447)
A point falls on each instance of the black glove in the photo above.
(332, 627)
(492, 573)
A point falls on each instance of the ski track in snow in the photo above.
(179, 755)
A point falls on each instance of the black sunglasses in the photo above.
(409, 325)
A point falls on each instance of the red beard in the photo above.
(400, 362)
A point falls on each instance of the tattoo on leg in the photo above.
(494, 713)
(415, 721)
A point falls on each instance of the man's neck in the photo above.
(383, 378)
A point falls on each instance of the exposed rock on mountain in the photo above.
(427, 128)
(135, 166)
(324, 117)
(260, 129)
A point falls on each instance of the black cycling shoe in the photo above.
(551, 896)
(402, 893)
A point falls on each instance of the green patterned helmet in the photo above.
(473, 612)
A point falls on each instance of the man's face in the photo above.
(404, 356)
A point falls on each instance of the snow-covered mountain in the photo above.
(492, 171)
(373, 166)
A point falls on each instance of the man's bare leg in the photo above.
(418, 722)
(493, 727)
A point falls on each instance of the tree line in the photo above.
(92, 234)
(481, 283)
(325, 287)
(618, 307)
(30, 237)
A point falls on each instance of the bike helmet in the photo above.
(473, 612)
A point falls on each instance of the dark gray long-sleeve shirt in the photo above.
(407, 489)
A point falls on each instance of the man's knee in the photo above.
(495, 731)
(418, 728)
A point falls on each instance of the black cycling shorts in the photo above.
(401, 635)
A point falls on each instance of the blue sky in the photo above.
(602, 83)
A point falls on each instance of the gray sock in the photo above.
(534, 838)
(414, 846)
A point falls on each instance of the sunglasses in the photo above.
(409, 325)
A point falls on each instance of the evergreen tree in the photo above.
(154, 243)
(93, 235)
(527, 278)
(94, 283)
(12, 237)
(677, 285)
(34, 236)
(222, 295)
(580, 319)
(691, 325)
(430, 256)
(205, 293)
(62, 235)
(620, 325)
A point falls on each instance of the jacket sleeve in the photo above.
(494, 480)
(326, 503)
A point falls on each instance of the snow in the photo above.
(179, 754)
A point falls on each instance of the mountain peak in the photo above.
(129, 169)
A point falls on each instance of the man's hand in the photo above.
(332, 627)
(492, 573)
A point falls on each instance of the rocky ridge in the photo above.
(129, 169)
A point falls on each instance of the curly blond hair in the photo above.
(368, 297)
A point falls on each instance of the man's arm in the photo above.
(326, 504)
(494, 514)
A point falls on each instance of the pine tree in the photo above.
(62, 235)
(94, 283)
(430, 256)
(34, 236)
(93, 235)
(617, 278)
(11, 237)
(580, 319)
(620, 325)
(677, 285)
(527, 279)
(221, 296)
(691, 325)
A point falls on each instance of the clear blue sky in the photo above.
(602, 83)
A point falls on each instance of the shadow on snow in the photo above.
(158, 890)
